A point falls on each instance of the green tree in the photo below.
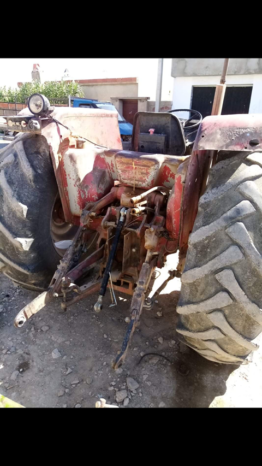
(51, 89)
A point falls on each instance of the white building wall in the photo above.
(183, 88)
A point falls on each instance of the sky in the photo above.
(17, 70)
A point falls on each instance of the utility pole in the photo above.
(159, 84)
(220, 91)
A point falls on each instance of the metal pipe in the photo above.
(137, 210)
(224, 72)
(136, 199)
(220, 91)
(114, 194)
(159, 84)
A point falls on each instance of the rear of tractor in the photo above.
(71, 196)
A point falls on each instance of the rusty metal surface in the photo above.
(99, 126)
(198, 166)
(60, 183)
(86, 175)
(84, 266)
(175, 201)
(223, 132)
(230, 132)
(141, 170)
(81, 173)
(131, 255)
(91, 288)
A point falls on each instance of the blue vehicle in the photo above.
(125, 128)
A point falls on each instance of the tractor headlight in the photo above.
(38, 104)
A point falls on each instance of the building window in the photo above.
(237, 99)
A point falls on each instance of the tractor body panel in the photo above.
(89, 174)
(99, 126)
(230, 132)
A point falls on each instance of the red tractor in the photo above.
(79, 215)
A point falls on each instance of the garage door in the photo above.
(237, 99)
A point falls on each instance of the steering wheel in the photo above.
(195, 113)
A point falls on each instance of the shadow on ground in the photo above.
(190, 381)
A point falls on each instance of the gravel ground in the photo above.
(63, 359)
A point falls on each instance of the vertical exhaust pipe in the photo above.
(159, 84)
(220, 91)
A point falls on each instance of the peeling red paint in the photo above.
(92, 172)
(198, 167)
(166, 175)
(173, 208)
(229, 132)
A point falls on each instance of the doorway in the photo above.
(130, 108)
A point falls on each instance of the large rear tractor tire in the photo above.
(220, 305)
(29, 213)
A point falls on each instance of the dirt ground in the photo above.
(63, 359)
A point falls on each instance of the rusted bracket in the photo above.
(67, 286)
(86, 290)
